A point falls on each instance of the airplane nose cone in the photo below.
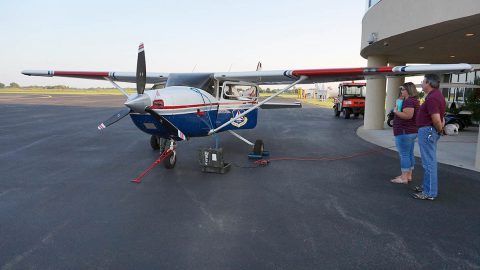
(139, 103)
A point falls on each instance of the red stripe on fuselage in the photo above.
(204, 105)
(188, 106)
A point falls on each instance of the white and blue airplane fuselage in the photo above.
(193, 111)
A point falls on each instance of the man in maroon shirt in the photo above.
(430, 124)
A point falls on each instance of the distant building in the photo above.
(417, 31)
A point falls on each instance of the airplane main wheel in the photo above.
(154, 142)
(258, 147)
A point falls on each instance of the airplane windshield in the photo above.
(203, 81)
(354, 91)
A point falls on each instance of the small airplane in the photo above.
(180, 106)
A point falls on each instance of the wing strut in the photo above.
(117, 86)
(302, 78)
(241, 138)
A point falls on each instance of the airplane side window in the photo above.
(240, 92)
(251, 92)
(230, 92)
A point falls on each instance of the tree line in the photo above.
(12, 85)
(16, 85)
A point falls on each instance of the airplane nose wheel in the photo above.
(162, 144)
(170, 162)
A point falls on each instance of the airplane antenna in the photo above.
(194, 68)
(230, 68)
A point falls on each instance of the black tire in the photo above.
(154, 142)
(346, 113)
(163, 144)
(170, 162)
(389, 122)
(258, 147)
(461, 125)
(356, 114)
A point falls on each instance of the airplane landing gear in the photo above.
(170, 162)
(162, 144)
(258, 147)
(168, 155)
(258, 151)
(155, 142)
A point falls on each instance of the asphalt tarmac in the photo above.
(66, 200)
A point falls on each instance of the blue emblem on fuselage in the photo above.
(239, 122)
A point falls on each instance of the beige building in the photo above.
(417, 31)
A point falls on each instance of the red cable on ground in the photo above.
(162, 157)
(265, 162)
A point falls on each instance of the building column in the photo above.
(393, 85)
(375, 97)
(477, 158)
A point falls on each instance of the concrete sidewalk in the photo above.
(458, 150)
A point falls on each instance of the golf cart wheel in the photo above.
(346, 113)
(356, 114)
(154, 142)
(258, 147)
(461, 125)
(389, 122)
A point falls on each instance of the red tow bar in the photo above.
(162, 157)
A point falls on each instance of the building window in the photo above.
(460, 94)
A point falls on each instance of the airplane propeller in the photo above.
(140, 103)
(135, 103)
(114, 118)
(141, 70)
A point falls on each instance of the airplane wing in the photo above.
(338, 74)
(99, 75)
(273, 76)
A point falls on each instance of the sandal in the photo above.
(417, 189)
(422, 196)
(399, 180)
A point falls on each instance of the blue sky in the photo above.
(213, 35)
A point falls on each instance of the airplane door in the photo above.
(234, 99)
